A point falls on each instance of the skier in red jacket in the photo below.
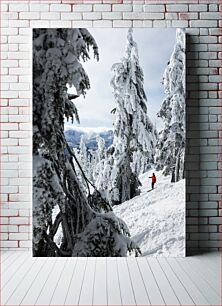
(153, 177)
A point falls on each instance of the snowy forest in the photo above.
(124, 196)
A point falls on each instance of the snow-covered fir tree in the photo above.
(99, 159)
(134, 134)
(83, 159)
(58, 56)
(172, 138)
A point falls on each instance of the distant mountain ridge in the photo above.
(74, 136)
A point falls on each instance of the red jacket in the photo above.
(153, 177)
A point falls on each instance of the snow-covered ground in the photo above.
(156, 219)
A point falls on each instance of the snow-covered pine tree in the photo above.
(99, 159)
(172, 138)
(57, 61)
(82, 158)
(134, 134)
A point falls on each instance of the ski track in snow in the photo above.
(156, 219)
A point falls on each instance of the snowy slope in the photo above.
(156, 219)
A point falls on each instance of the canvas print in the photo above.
(109, 142)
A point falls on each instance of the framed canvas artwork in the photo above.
(109, 138)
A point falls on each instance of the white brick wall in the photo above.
(200, 17)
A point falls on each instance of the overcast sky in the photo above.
(154, 46)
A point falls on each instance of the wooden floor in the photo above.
(110, 281)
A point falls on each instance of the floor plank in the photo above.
(100, 283)
(152, 288)
(13, 269)
(113, 285)
(4, 255)
(208, 292)
(181, 293)
(164, 285)
(126, 289)
(39, 282)
(62, 287)
(213, 279)
(86, 294)
(73, 294)
(212, 261)
(110, 281)
(137, 281)
(190, 286)
(48, 290)
(10, 261)
(23, 287)
(17, 278)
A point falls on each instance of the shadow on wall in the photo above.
(193, 171)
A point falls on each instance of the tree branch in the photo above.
(72, 96)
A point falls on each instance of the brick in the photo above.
(213, 7)
(18, 7)
(215, 236)
(19, 102)
(39, 23)
(9, 126)
(9, 228)
(171, 16)
(180, 23)
(19, 118)
(215, 63)
(208, 205)
(9, 63)
(9, 212)
(8, 244)
(215, 220)
(39, 7)
(18, 23)
(29, 15)
(200, 236)
(24, 229)
(121, 7)
(102, 23)
(112, 15)
(60, 24)
(3, 220)
(19, 220)
(71, 16)
(203, 23)
(154, 8)
(82, 8)
(25, 244)
(9, 142)
(216, 31)
(207, 15)
(187, 16)
(19, 71)
(102, 7)
(60, 7)
(122, 23)
(50, 16)
(18, 236)
(177, 8)
(94, 15)
(9, 31)
(137, 8)
(82, 23)
(135, 15)
(197, 7)
(4, 7)
(160, 23)
(138, 23)
(18, 150)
